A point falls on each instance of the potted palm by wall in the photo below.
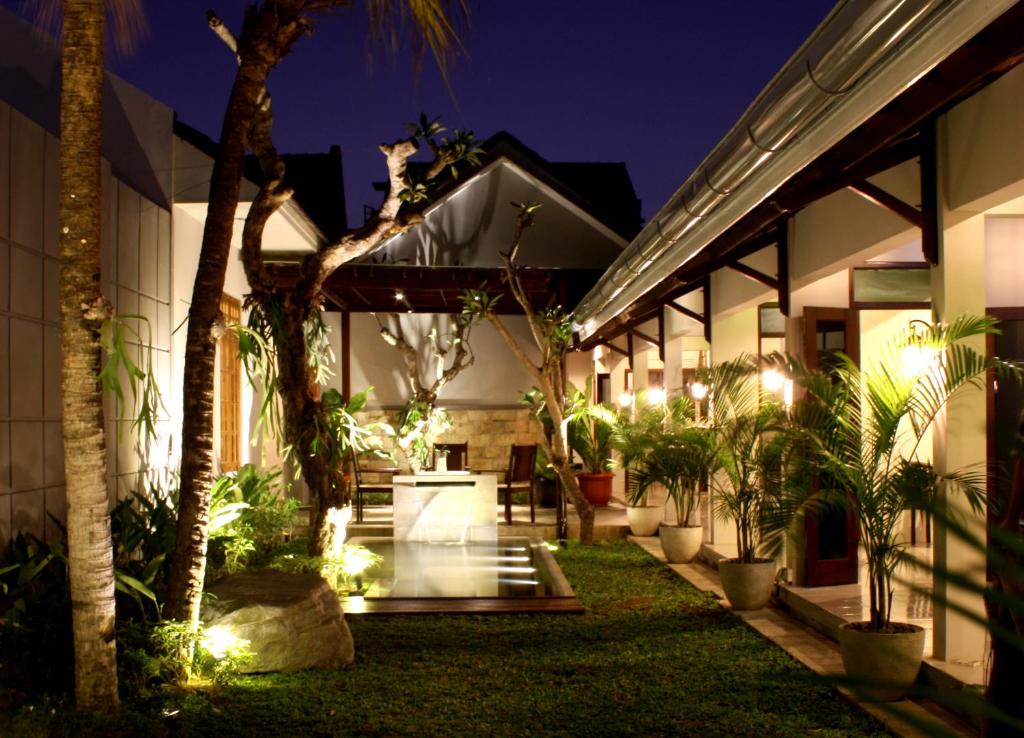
(749, 433)
(590, 437)
(662, 446)
(866, 430)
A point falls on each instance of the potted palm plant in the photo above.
(748, 432)
(662, 446)
(590, 437)
(865, 430)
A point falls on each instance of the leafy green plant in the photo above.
(143, 529)
(249, 517)
(749, 431)
(420, 424)
(590, 428)
(143, 386)
(662, 444)
(35, 615)
(857, 424)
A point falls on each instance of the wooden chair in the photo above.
(458, 455)
(362, 487)
(519, 476)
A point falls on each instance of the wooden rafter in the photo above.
(875, 194)
(754, 274)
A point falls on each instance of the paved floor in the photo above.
(809, 647)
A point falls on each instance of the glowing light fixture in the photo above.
(625, 399)
(399, 295)
(656, 396)
(698, 391)
(772, 380)
(917, 360)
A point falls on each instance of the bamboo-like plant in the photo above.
(865, 431)
(662, 444)
(748, 428)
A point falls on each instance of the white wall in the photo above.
(134, 276)
(1004, 261)
(496, 378)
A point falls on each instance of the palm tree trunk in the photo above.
(83, 310)
(188, 564)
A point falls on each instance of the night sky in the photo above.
(654, 83)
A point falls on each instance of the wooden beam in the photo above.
(692, 314)
(929, 193)
(878, 196)
(643, 336)
(782, 261)
(661, 334)
(754, 274)
(707, 309)
(629, 349)
(613, 347)
(346, 355)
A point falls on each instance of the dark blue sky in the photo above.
(653, 83)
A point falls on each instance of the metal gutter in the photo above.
(862, 56)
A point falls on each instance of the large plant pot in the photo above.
(892, 659)
(681, 545)
(747, 586)
(644, 519)
(596, 487)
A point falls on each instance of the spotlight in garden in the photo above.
(626, 399)
(698, 391)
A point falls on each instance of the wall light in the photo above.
(698, 391)
(772, 380)
(399, 296)
(916, 360)
(655, 396)
(625, 399)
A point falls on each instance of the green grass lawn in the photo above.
(651, 656)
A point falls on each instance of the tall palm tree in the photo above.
(83, 311)
(269, 31)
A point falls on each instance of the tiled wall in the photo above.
(136, 277)
(490, 433)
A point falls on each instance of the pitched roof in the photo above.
(604, 190)
(318, 179)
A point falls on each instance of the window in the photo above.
(230, 388)
(891, 285)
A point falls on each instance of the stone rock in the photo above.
(292, 621)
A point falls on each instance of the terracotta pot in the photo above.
(681, 545)
(596, 487)
(644, 519)
(893, 659)
(747, 586)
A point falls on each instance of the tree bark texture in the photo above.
(550, 378)
(259, 50)
(83, 310)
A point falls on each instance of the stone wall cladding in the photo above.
(490, 434)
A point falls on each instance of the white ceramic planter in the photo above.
(747, 586)
(644, 520)
(885, 663)
(681, 545)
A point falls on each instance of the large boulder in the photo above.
(292, 621)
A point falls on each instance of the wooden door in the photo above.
(832, 537)
(230, 387)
